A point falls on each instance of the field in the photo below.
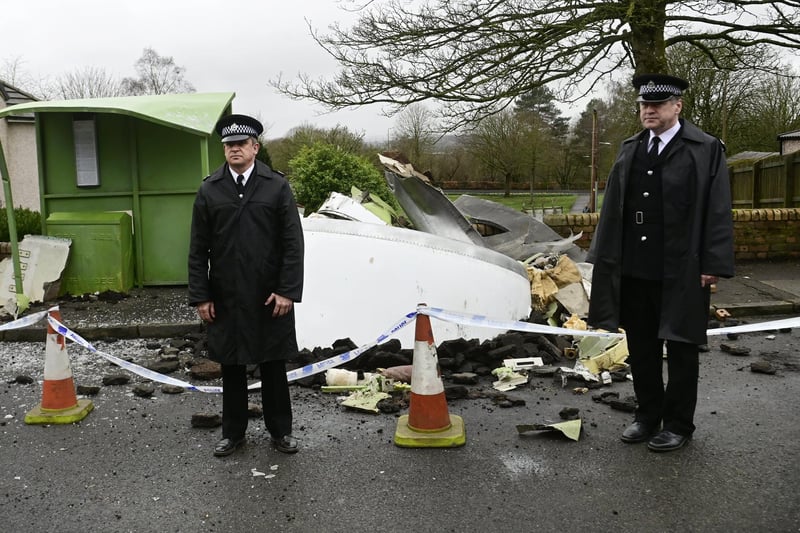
(522, 201)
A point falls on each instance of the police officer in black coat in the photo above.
(245, 275)
(665, 235)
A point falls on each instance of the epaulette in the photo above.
(721, 142)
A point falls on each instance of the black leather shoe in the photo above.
(637, 432)
(286, 444)
(667, 441)
(227, 446)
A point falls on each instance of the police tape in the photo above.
(28, 320)
(61, 329)
(332, 362)
(514, 325)
(293, 375)
(773, 325)
(483, 321)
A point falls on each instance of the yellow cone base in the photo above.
(37, 415)
(451, 437)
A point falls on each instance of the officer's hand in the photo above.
(282, 304)
(206, 311)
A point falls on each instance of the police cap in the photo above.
(658, 87)
(234, 128)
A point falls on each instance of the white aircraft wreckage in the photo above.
(363, 275)
(367, 276)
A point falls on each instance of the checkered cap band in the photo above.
(239, 129)
(654, 88)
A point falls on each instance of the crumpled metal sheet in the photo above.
(430, 210)
(524, 237)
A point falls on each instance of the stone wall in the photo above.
(758, 233)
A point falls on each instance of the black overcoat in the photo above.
(241, 251)
(698, 234)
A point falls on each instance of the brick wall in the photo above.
(758, 233)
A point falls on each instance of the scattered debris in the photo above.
(88, 390)
(523, 363)
(734, 350)
(569, 413)
(365, 400)
(571, 428)
(508, 379)
(143, 390)
(763, 367)
(116, 379)
(206, 420)
(603, 353)
(550, 274)
(42, 260)
(722, 314)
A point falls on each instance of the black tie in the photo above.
(240, 185)
(653, 153)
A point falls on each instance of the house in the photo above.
(18, 137)
(789, 141)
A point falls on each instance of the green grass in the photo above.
(522, 201)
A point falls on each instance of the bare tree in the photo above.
(90, 82)
(501, 145)
(156, 75)
(414, 134)
(475, 56)
(13, 72)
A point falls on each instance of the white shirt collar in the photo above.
(246, 173)
(664, 137)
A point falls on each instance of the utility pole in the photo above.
(593, 175)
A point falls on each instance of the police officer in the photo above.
(245, 275)
(665, 234)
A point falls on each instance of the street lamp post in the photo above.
(593, 173)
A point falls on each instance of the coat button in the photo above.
(644, 238)
(649, 172)
(646, 194)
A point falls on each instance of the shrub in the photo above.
(320, 169)
(28, 223)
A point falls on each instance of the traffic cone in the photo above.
(428, 423)
(59, 404)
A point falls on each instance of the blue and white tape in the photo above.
(332, 362)
(514, 325)
(28, 320)
(61, 329)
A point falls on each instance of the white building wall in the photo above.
(19, 146)
(790, 145)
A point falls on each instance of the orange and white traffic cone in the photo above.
(60, 405)
(428, 424)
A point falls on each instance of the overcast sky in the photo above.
(224, 46)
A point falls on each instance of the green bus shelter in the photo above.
(141, 155)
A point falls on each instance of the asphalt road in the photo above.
(137, 465)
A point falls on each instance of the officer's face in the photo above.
(659, 116)
(241, 154)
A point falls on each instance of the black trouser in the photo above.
(275, 400)
(675, 404)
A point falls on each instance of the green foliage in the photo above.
(320, 169)
(263, 155)
(283, 150)
(28, 223)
